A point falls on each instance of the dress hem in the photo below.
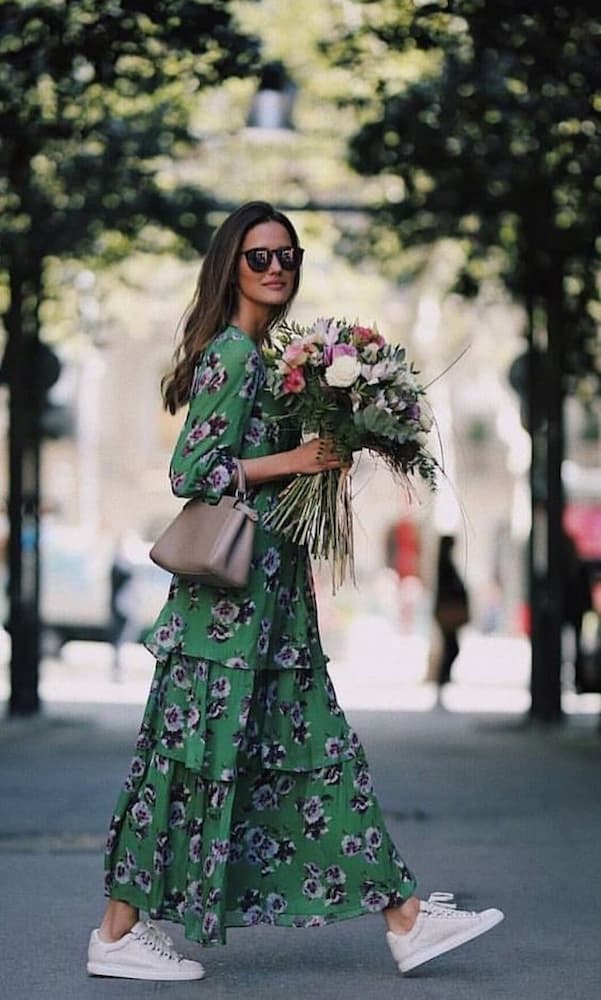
(235, 918)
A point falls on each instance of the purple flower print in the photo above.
(197, 434)
(334, 746)
(316, 829)
(255, 432)
(236, 663)
(335, 875)
(312, 809)
(373, 837)
(225, 612)
(275, 903)
(209, 866)
(286, 657)
(262, 644)
(353, 741)
(273, 753)
(220, 850)
(363, 782)
(284, 785)
(370, 856)
(247, 610)
(168, 635)
(263, 798)
(269, 848)
(286, 851)
(220, 688)
(143, 880)
(312, 922)
(136, 770)
(160, 763)
(219, 632)
(218, 424)
(201, 671)
(271, 561)
(121, 872)
(335, 894)
(192, 718)
(177, 480)
(373, 901)
(213, 896)
(331, 775)
(195, 848)
(216, 710)
(312, 870)
(173, 718)
(217, 795)
(245, 704)
(141, 814)
(296, 714)
(360, 803)
(220, 477)
(210, 925)
(162, 857)
(254, 837)
(312, 889)
(252, 916)
(350, 845)
(179, 675)
(177, 814)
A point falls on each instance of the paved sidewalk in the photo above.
(502, 814)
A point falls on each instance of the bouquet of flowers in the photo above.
(343, 381)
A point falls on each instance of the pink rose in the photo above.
(294, 381)
(364, 335)
(295, 354)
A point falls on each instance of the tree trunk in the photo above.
(546, 595)
(23, 373)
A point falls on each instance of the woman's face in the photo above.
(273, 287)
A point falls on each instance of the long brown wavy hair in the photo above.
(216, 296)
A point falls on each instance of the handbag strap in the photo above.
(241, 480)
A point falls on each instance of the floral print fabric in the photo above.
(249, 799)
(226, 819)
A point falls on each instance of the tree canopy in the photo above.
(496, 143)
(93, 99)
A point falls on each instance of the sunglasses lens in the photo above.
(258, 260)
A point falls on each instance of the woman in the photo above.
(249, 799)
(451, 609)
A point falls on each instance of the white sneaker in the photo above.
(439, 927)
(146, 952)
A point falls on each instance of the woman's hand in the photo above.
(317, 455)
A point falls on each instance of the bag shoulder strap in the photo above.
(241, 487)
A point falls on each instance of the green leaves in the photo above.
(95, 100)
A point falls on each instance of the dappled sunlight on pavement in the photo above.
(377, 669)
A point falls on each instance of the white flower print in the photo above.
(263, 798)
(313, 809)
(143, 880)
(220, 688)
(350, 845)
(334, 746)
(373, 837)
(195, 848)
(225, 612)
(174, 718)
(141, 814)
(335, 875)
(373, 900)
(275, 903)
(177, 814)
(312, 889)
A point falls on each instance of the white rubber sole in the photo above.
(488, 920)
(122, 972)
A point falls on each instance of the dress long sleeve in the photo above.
(225, 384)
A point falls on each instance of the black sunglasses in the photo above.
(260, 258)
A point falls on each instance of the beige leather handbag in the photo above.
(210, 543)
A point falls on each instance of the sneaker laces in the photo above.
(155, 938)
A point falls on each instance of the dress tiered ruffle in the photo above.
(248, 801)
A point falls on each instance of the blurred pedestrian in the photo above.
(451, 609)
(577, 600)
(249, 799)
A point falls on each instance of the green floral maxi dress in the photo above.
(249, 798)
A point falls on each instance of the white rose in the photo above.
(343, 371)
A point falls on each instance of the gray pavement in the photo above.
(500, 813)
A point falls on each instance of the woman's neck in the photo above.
(255, 323)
